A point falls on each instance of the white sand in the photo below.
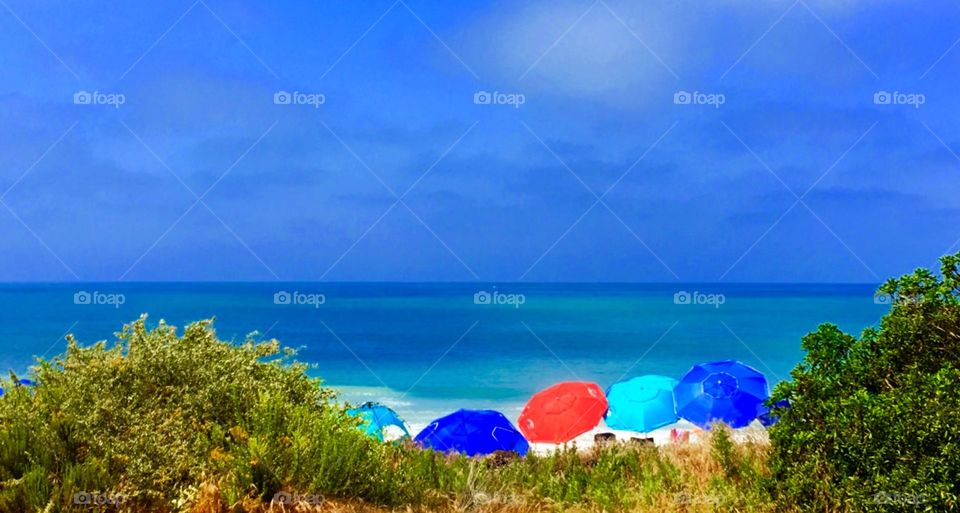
(661, 436)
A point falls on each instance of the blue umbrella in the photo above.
(767, 417)
(641, 404)
(725, 390)
(21, 382)
(473, 432)
(376, 418)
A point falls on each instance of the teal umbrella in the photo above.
(641, 404)
(377, 418)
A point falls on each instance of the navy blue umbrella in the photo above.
(473, 432)
(725, 390)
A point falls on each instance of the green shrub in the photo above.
(151, 417)
(874, 422)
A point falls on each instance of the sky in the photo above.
(553, 141)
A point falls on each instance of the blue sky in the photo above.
(800, 175)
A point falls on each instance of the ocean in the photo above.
(429, 348)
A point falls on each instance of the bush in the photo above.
(874, 422)
(148, 420)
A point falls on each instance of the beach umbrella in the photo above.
(21, 382)
(378, 420)
(724, 390)
(767, 417)
(562, 412)
(641, 404)
(473, 432)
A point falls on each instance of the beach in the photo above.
(289, 420)
(427, 350)
(418, 413)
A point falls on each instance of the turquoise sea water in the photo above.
(429, 348)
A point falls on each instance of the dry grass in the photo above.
(705, 487)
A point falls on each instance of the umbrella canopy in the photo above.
(641, 404)
(377, 418)
(473, 432)
(563, 412)
(767, 417)
(21, 382)
(725, 390)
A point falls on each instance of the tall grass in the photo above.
(157, 421)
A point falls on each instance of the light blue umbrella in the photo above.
(725, 390)
(641, 404)
(377, 417)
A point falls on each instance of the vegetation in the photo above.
(161, 422)
(158, 421)
(874, 422)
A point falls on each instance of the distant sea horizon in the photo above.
(427, 348)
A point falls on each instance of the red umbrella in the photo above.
(563, 412)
